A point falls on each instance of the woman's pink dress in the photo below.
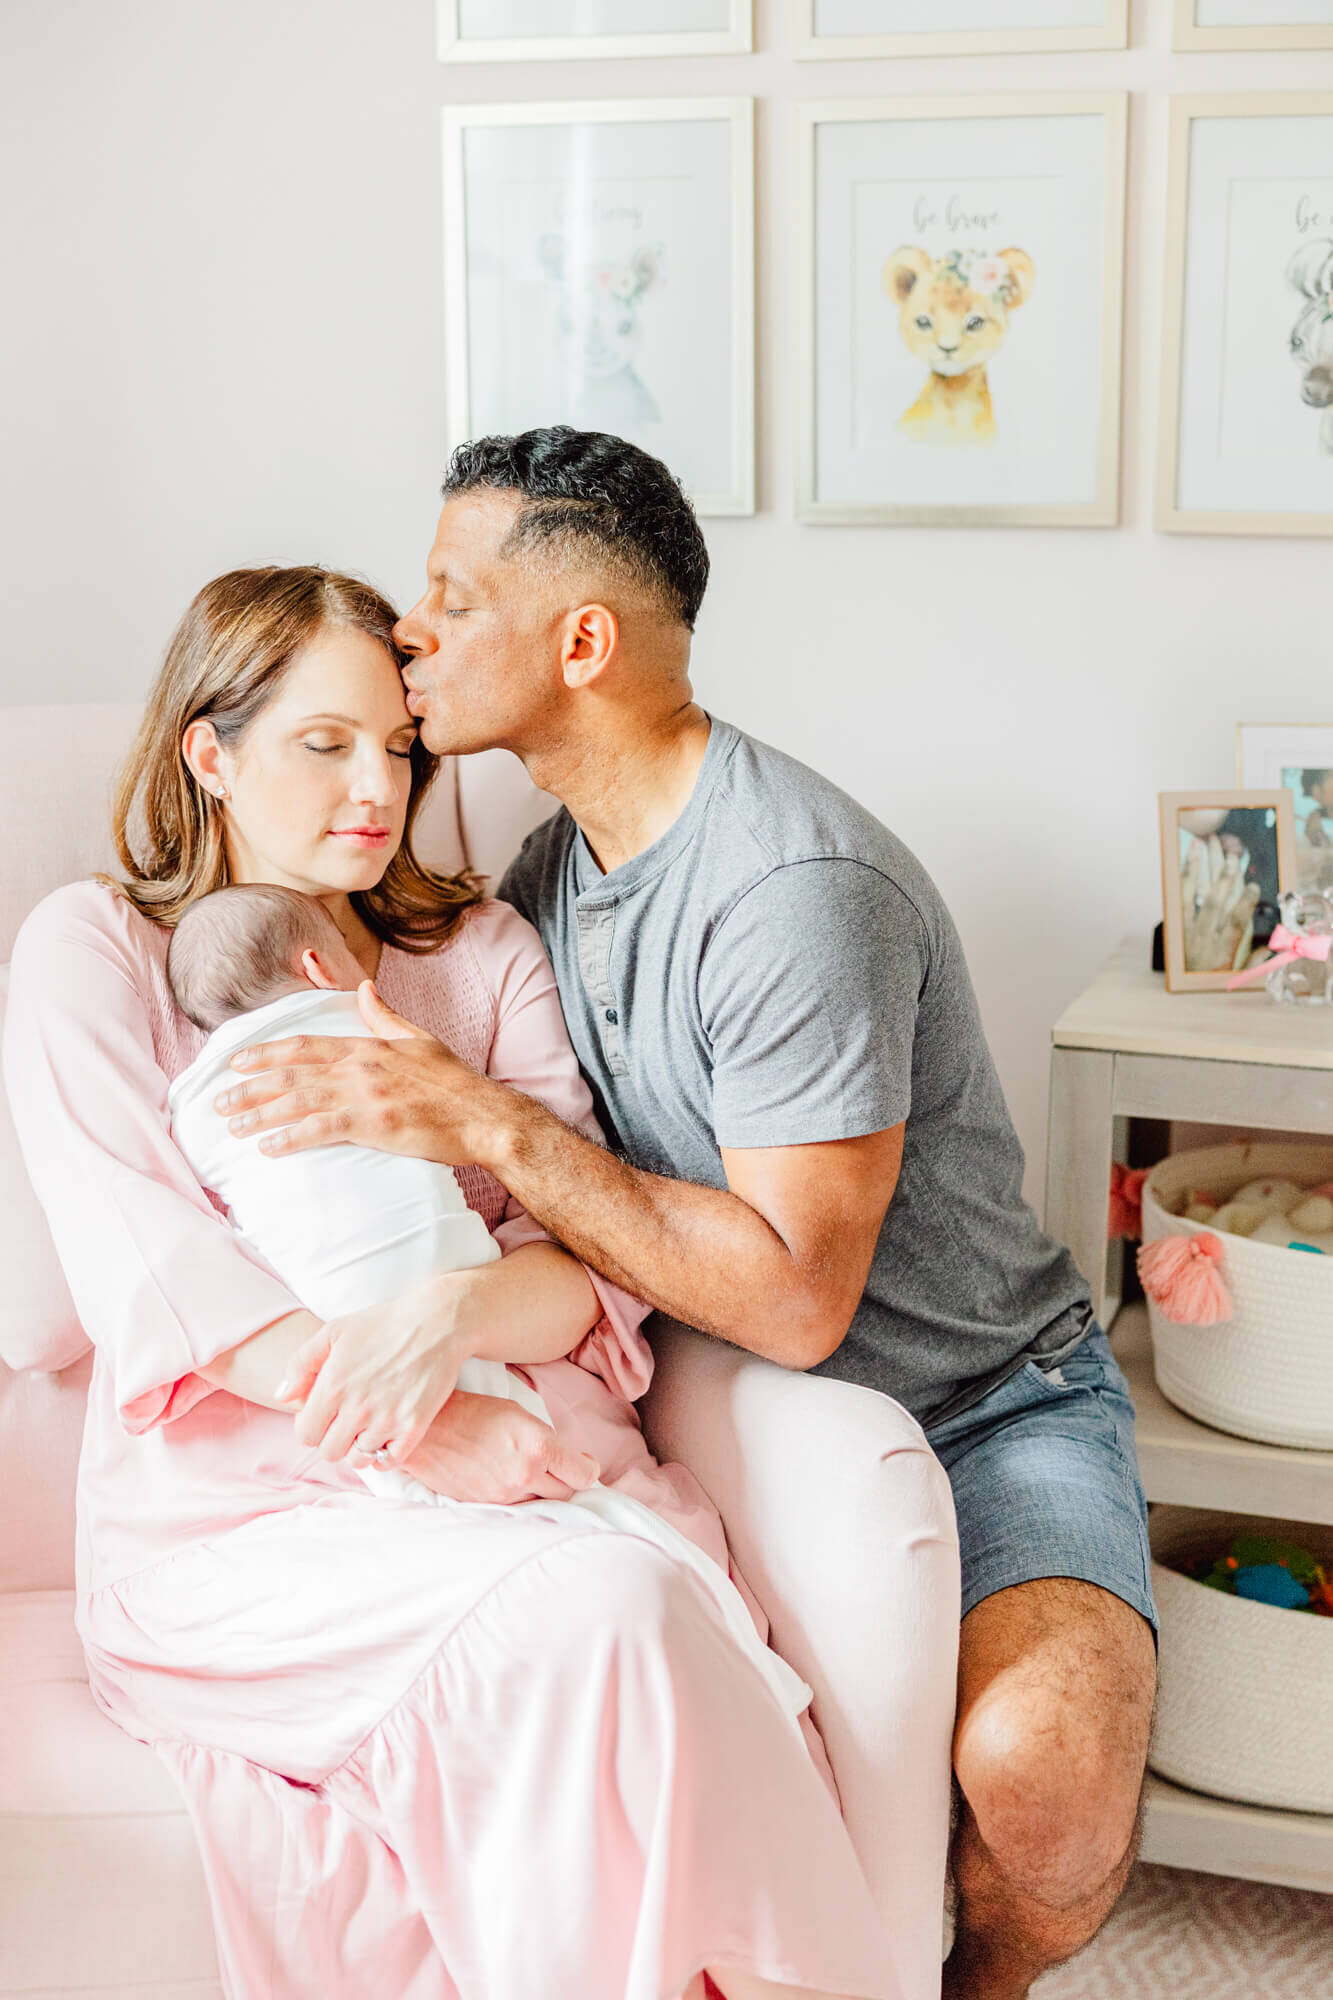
(496, 1754)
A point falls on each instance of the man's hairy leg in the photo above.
(1056, 1682)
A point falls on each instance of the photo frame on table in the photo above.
(1299, 757)
(1254, 24)
(599, 272)
(1223, 853)
(839, 29)
(576, 30)
(960, 312)
(1246, 439)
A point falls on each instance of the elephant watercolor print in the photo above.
(962, 317)
(1247, 403)
(599, 272)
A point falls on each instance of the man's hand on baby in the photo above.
(404, 1092)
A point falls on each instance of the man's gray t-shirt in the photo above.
(778, 969)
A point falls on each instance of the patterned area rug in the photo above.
(1181, 1936)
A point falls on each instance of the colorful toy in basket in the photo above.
(1301, 967)
(1267, 1572)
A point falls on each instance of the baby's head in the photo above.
(250, 943)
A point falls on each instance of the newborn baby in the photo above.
(344, 1226)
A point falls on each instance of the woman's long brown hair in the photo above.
(226, 661)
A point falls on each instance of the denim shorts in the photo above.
(1046, 1482)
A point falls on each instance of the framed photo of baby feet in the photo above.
(960, 321)
(1254, 24)
(599, 272)
(870, 28)
(1246, 441)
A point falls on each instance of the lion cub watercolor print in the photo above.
(953, 314)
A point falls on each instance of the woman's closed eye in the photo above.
(328, 749)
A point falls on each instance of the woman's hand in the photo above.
(480, 1448)
(376, 1378)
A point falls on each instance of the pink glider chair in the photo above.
(838, 1514)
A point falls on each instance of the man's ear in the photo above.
(591, 636)
(904, 270)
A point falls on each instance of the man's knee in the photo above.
(1054, 1793)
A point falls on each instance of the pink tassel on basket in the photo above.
(1183, 1278)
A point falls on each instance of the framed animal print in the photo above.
(1246, 442)
(870, 28)
(1254, 24)
(552, 30)
(961, 316)
(599, 272)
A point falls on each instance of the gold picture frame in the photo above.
(1251, 35)
(1208, 802)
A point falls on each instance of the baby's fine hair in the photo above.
(239, 947)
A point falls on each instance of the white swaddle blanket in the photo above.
(347, 1227)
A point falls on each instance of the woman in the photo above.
(487, 1753)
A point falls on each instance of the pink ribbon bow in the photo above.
(1285, 946)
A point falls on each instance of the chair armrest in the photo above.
(841, 1519)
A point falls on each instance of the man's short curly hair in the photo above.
(592, 498)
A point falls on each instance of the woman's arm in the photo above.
(388, 1371)
(257, 1367)
(161, 1284)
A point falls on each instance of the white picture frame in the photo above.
(865, 446)
(913, 28)
(1295, 757)
(1250, 200)
(1223, 24)
(733, 36)
(560, 221)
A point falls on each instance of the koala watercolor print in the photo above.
(1247, 397)
(599, 272)
(961, 322)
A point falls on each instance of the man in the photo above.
(813, 1159)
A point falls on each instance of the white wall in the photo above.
(221, 344)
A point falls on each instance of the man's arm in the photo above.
(776, 1264)
(808, 997)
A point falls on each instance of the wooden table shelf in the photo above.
(1128, 1049)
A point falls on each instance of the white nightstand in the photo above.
(1127, 1048)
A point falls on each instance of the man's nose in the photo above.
(411, 635)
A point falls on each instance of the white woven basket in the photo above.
(1267, 1372)
(1243, 1704)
